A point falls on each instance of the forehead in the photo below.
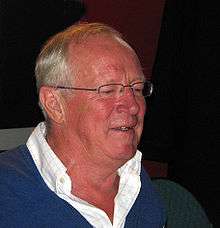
(103, 59)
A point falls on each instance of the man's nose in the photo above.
(128, 102)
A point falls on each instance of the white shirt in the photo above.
(54, 173)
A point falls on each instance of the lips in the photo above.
(123, 128)
(124, 124)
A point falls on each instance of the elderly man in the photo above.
(81, 168)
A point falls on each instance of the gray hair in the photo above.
(51, 65)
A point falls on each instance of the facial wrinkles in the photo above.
(108, 63)
(126, 70)
(116, 72)
(108, 60)
(125, 118)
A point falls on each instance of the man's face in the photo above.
(109, 128)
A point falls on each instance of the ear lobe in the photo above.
(52, 103)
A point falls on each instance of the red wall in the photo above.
(138, 20)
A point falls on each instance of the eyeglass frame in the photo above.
(98, 88)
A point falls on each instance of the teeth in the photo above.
(124, 128)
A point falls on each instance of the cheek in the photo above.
(75, 114)
(141, 114)
(95, 116)
(102, 109)
(101, 118)
(142, 109)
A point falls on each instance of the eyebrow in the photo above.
(142, 78)
(113, 81)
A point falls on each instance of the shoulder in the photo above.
(180, 204)
(18, 175)
(150, 201)
(172, 191)
(15, 164)
(12, 158)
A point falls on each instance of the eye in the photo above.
(108, 90)
(138, 88)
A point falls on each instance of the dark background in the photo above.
(25, 25)
(182, 125)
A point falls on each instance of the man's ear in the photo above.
(52, 103)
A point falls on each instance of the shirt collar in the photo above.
(52, 169)
(48, 164)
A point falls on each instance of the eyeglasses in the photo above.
(139, 89)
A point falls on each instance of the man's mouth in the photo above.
(123, 128)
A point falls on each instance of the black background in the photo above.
(25, 25)
(182, 127)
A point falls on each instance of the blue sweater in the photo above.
(26, 201)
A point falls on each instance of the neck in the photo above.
(80, 163)
(93, 181)
(98, 190)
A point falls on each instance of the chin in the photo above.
(125, 152)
